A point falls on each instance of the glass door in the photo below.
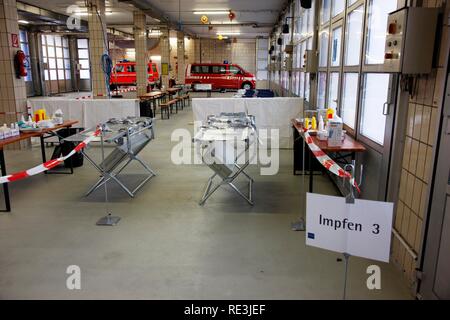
(378, 92)
(353, 46)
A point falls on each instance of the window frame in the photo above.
(84, 59)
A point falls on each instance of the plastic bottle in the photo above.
(306, 124)
(314, 123)
(330, 113)
(321, 124)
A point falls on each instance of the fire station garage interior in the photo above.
(197, 150)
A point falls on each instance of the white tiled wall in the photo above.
(420, 139)
(12, 90)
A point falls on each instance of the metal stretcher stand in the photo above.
(130, 136)
(215, 140)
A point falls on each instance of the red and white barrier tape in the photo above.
(327, 162)
(49, 164)
(114, 92)
(84, 97)
(124, 90)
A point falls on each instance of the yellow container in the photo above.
(39, 115)
(330, 113)
(306, 123)
(313, 123)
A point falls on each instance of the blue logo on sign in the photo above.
(311, 235)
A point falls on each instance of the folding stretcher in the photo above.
(225, 146)
(130, 136)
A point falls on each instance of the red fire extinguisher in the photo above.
(20, 60)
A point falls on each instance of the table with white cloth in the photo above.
(88, 112)
(272, 113)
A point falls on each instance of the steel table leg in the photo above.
(311, 172)
(5, 185)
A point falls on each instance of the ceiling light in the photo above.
(237, 33)
(212, 12)
(23, 21)
(84, 13)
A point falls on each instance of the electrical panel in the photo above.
(311, 63)
(289, 49)
(410, 40)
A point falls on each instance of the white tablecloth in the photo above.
(270, 113)
(88, 112)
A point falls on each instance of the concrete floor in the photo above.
(166, 246)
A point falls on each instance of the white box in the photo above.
(335, 132)
(7, 134)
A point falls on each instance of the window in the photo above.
(200, 69)
(322, 90)
(350, 99)
(302, 86)
(55, 51)
(131, 68)
(336, 47)
(338, 7)
(219, 69)
(26, 49)
(375, 95)
(262, 59)
(235, 70)
(83, 58)
(310, 12)
(376, 34)
(119, 68)
(294, 87)
(333, 95)
(325, 12)
(354, 37)
(307, 87)
(323, 49)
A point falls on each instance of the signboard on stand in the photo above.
(361, 229)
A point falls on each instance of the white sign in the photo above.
(361, 229)
(203, 86)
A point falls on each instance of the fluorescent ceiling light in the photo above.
(82, 13)
(155, 58)
(23, 21)
(212, 12)
(229, 33)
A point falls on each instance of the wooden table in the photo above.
(350, 147)
(153, 97)
(173, 90)
(42, 134)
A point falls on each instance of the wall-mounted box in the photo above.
(410, 40)
(289, 49)
(311, 64)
